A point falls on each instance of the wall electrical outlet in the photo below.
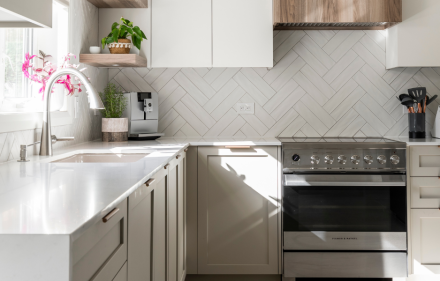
(245, 108)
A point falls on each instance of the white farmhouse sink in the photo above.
(102, 158)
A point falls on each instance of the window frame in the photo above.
(20, 121)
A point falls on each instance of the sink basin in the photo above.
(103, 158)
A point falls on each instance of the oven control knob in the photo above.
(328, 159)
(381, 159)
(295, 157)
(368, 159)
(355, 159)
(342, 159)
(314, 159)
(395, 159)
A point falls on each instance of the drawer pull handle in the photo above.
(178, 156)
(149, 182)
(166, 166)
(110, 215)
(185, 150)
(237, 146)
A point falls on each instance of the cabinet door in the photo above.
(237, 210)
(425, 192)
(181, 33)
(172, 221)
(176, 220)
(139, 232)
(425, 227)
(242, 33)
(425, 161)
(101, 251)
(181, 220)
(160, 227)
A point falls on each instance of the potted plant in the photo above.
(117, 40)
(114, 128)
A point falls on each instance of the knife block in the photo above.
(416, 125)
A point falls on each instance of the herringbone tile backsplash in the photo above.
(323, 83)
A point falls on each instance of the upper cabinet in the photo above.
(120, 3)
(181, 33)
(26, 14)
(415, 41)
(242, 33)
(217, 33)
(337, 14)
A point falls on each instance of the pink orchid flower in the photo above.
(43, 74)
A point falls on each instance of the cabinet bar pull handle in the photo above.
(185, 150)
(178, 156)
(110, 215)
(166, 166)
(149, 182)
(238, 146)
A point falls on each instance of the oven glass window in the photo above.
(329, 208)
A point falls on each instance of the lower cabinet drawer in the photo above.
(345, 265)
(425, 192)
(425, 161)
(101, 251)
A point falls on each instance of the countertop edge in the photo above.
(81, 229)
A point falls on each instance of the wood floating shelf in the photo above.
(113, 60)
(120, 3)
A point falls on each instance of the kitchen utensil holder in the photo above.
(416, 123)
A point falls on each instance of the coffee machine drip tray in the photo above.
(140, 137)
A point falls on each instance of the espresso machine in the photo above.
(143, 115)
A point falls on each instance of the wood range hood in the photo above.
(336, 14)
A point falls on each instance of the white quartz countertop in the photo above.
(223, 141)
(39, 197)
(425, 141)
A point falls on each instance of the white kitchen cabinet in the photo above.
(242, 33)
(26, 14)
(425, 161)
(238, 210)
(425, 192)
(413, 42)
(181, 33)
(425, 229)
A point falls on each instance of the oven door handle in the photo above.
(344, 180)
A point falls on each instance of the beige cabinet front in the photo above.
(425, 229)
(237, 210)
(425, 161)
(101, 251)
(140, 229)
(159, 255)
(425, 192)
(176, 219)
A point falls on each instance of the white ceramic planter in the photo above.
(114, 129)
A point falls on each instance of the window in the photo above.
(16, 92)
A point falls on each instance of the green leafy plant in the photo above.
(123, 30)
(114, 101)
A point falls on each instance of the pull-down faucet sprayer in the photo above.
(95, 103)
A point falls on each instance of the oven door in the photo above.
(344, 212)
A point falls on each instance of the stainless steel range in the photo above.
(344, 208)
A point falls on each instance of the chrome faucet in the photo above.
(95, 102)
